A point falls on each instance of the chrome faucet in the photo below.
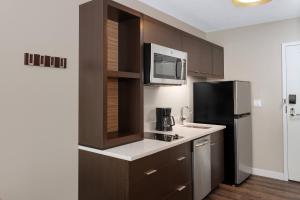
(182, 118)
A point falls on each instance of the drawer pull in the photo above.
(179, 189)
(181, 158)
(212, 144)
(152, 171)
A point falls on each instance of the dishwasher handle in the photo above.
(202, 143)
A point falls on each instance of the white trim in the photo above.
(284, 114)
(268, 174)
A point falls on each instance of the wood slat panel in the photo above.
(115, 74)
(112, 45)
(258, 188)
(112, 84)
(112, 105)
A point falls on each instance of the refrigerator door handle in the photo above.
(242, 115)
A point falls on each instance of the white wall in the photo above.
(38, 106)
(167, 96)
(254, 53)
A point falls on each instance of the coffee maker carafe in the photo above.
(164, 120)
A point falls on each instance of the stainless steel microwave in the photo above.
(164, 66)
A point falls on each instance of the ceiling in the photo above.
(214, 15)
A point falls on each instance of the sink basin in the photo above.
(196, 126)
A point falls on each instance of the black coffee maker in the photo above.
(164, 120)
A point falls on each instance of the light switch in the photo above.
(257, 103)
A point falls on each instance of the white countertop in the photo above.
(143, 148)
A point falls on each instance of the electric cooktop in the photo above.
(161, 136)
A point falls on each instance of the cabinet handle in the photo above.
(179, 189)
(181, 158)
(151, 171)
(213, 144)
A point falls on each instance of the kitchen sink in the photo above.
(196, 126)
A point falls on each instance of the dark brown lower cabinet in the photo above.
(163, 175)
(217, 159)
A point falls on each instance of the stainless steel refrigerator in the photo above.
(228, 103)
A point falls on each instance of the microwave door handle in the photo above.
(176, 69)
(182, 68)
(179, 75)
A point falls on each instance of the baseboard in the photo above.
(268, 174)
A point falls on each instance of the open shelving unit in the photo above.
(117, 71)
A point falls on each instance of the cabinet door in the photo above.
(161, 34)
(217, 159)
(218, 61)
(199, 55)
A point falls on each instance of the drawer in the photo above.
(163, 182)
(141, 167)
(183, 192)
(179, 173)
(151, 187)
(180, 153)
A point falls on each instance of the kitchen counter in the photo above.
(140, 149)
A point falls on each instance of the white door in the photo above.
(292, 60)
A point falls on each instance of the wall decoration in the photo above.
(44, 61)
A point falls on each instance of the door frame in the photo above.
(284, 106)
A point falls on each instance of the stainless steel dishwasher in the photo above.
(201, 167)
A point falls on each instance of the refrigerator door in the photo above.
(213, 102)
(242, 97)
(243, 148)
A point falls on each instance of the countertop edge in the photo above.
(104, 153)
(132, 158)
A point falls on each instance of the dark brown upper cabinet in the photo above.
(162, 34)
(199, 55)
(110, 75)
(205, 59)
(218, 61)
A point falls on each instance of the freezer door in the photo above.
(242, 97)
(243, 148)
(213, 103)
